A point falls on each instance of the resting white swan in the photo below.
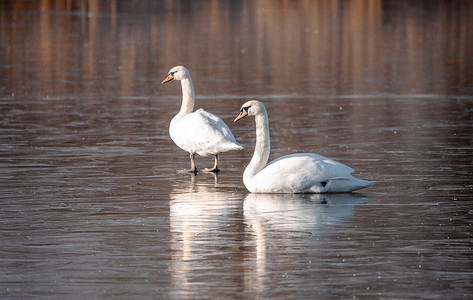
(296, 173)
(198, 132)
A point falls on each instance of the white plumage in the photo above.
(198, 132)
(296, 173)
(203, 133)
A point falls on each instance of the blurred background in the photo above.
(257, 47)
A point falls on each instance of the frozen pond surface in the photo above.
(91, 204)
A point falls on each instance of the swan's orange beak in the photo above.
(169, 78)
(243, 113)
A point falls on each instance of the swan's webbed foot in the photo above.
(193, 168)
(214, 169)
(187, 171)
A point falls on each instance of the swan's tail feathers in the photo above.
(238, 146)
(346, 184)
(231, 147)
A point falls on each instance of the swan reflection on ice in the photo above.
(201, 222)
(299, 212)
(275, 219)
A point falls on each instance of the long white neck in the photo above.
(188, 97)
(262, 147)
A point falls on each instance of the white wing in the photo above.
(304, 172)
(203, 133)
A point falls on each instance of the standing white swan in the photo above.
(296, 173)
(198, 132)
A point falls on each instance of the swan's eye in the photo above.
(245, 108)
